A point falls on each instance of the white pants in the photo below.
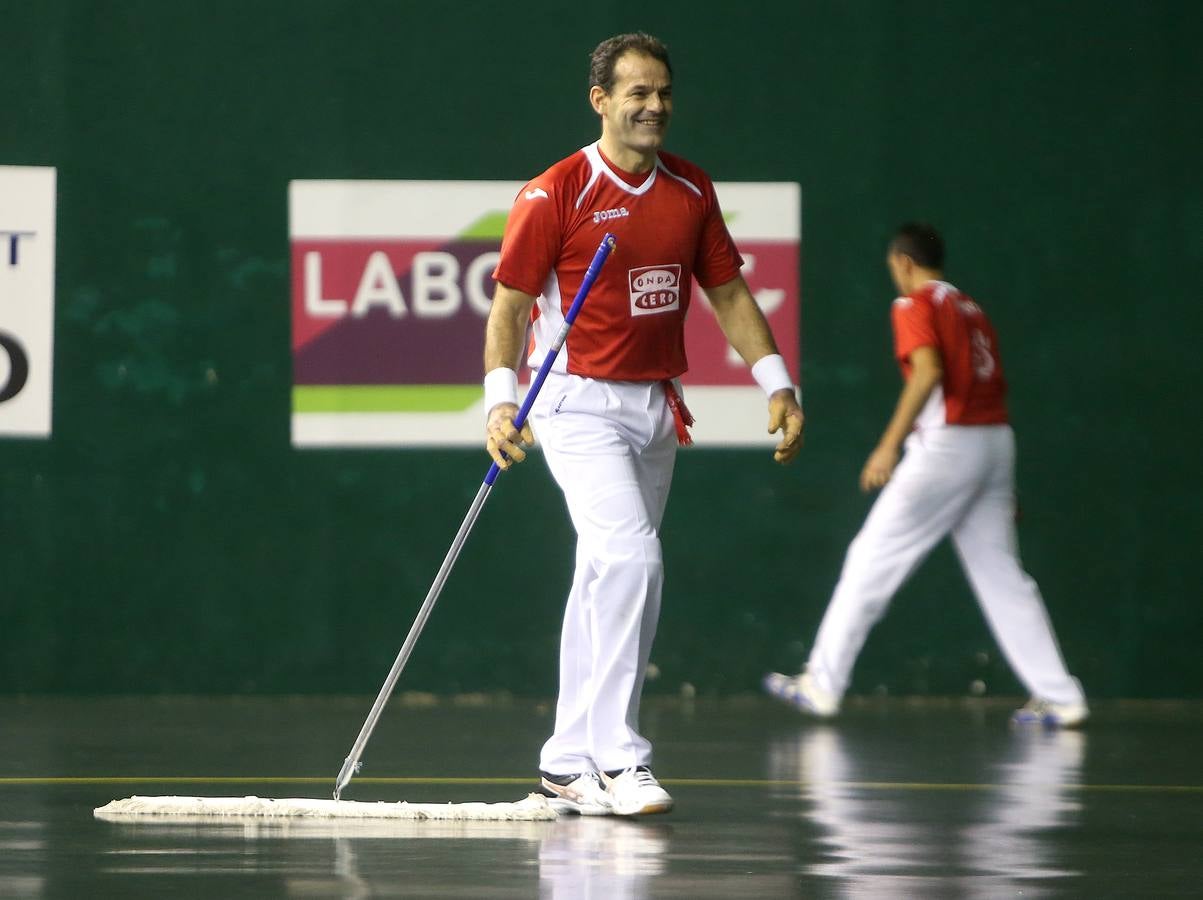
(958, 480)
(611, 446)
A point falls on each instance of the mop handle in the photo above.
(599, 259)
(352, 764)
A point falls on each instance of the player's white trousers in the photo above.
(958, 481)
(611, 446)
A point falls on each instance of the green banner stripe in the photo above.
(384, 398)
(490, 225)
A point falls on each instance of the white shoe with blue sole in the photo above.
(801, 692)
(1051, 715)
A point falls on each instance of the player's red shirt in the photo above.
(668, 230)
(974, 390)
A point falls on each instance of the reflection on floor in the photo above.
(895, 799)
(986, 839)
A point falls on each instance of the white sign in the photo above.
(391, 287)
(27, 201)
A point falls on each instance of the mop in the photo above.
(534, 807)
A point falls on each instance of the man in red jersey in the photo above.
(957, 478)
(610, 414)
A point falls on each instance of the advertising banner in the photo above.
(391, 286)
(27, 217)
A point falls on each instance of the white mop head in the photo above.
(531, 809)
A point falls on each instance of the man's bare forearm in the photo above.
(927, 372)
(741, 321)
(505, 332)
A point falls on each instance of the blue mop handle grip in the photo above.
(599, 259)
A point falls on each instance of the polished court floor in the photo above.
(896, 800)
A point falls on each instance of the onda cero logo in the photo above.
(655, 289)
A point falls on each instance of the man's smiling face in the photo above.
(636, 111)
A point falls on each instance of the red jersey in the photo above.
(973, 391)
(668, 229)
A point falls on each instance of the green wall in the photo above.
(169, 539)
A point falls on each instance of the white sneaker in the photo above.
(801, 691)
(1051, 715)
(583, 794)
(636, 792)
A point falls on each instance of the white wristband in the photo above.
(772, 376)
(501, 386)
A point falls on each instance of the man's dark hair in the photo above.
(607, 53)
(921, 242)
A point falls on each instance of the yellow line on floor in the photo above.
(98, 781)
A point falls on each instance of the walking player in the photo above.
(610, 414)
(957, 478)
